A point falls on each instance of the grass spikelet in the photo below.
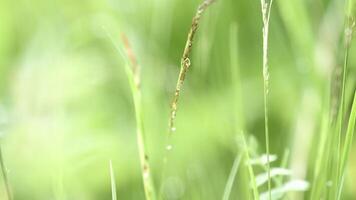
(184, 66)
(185, 61)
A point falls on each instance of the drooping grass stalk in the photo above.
(266, 13)
(133, 74)
(184, 66)
(232, 176)
(185, 61)
(4, 174)
(113, 184)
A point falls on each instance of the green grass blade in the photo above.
(339, 170)
(133, 75)
(231, 179)
(113, 184)
(4, 174)
(266, 13)
(347, 146)
(256, 194)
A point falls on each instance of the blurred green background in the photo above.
(66, 107)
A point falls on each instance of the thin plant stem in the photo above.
(112, 181)
(347, 146)
(185, 61)
(184, 66)
(256, 195)
(266, 13)
(350, 25)
(4, 174)
(231, 179)
(132, 69)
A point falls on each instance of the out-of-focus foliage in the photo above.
(66, 108)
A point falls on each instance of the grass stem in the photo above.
(231, 179)
(132, 70)
(113, 184)
(184, 66)
(266, 13)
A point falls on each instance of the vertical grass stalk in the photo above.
(350, 25)
(347, 146)
(133, 74)
(266, 13)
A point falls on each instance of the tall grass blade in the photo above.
(347, 146)
(113, 184)
(350, 24)
(256, 195)
(133, 75)
(266, 13)
(231, 179)
(132, 70)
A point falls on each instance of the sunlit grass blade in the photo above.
(4, 174)
(232, 176)
(113, 183)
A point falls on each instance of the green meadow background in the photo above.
(66, 108)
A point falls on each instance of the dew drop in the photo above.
(173, 129)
